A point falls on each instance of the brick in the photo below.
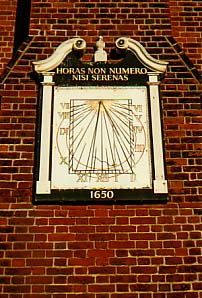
(143, 287)
(121, 253)
(101, 288)
(102, 270)
(143, 220)
(121, 244)
(173, 260)
(142, 269)
(59, 271)
(80, 279)
(123, 261)
(58, 288)
(181, 287)
(17, 289)
(97, 253)
(39, 262)
(81, 262)
(60, 237)
(142, 252)
(125, 295)
(80, 245)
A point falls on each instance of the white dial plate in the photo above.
(101, 138)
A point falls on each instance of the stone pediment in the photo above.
(123, 44)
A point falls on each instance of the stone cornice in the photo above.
(124, 44)
(77, 44)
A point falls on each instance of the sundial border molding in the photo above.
(46, 67)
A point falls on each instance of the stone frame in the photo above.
(46, 69)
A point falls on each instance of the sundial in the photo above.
(97, 144)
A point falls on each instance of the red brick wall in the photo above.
(186, 18)
(124, 251)
(7, 24)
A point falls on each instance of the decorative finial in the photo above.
(100, 44)
(100, 53)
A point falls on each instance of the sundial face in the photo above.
(100, 138)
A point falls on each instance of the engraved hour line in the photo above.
(132, 155)
(112, 153)
(80, 114)
(83, 132)
(92, 149)
(110, 145)
(116, 132)
(121, 113)
(82, 107)
(113, 147)
(85, 116)
(79, 118)
(80, 157)
(124, 131)
(134, 107)
(94, 138)
(71, 137)
(114, 135)
(112, 121)
(129, 116)
(117, 135)
(101, 139)
(114, 112)
(132, 140)
(107, 159)
(94, 160)
(82, 135)
(67, 143)
(123, 108)
(136, 116)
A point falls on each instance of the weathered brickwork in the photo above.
(7, 28)
(124, 251)
(186, 17)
